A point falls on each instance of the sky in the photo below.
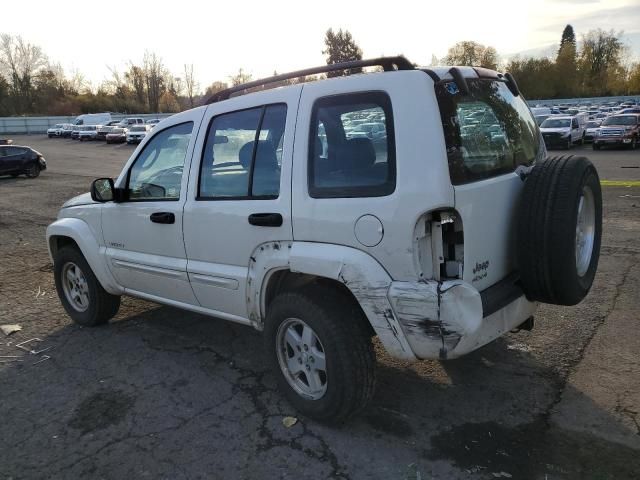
(219, 38)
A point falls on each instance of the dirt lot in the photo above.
(160, 393)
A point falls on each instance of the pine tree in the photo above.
(341, 47)
(566, 65)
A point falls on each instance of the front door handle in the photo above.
(163, 217)
(265, 219)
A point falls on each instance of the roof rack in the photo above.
(387, 63)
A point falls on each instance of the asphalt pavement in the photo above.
(162, 393)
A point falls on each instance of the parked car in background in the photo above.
(75, 132)
(117, 135)
(103, 131)
(630, 110)
(561, 131)
(17, 160)
(88, 132)
(55, 131)
(5, 141)
(127, 122)
(137, 132)
(153, 122)
(93, 119)
(65, 131)
(541, 118)
(591, 130)
(619, 130)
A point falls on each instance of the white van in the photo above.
(93, 119)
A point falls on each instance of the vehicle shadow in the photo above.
(162, 377)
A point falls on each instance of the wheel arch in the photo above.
(275, 266)
(75, 232)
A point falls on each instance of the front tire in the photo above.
(320, 353)
(33, 171)
(80, 292)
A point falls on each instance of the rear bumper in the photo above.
(451, 319)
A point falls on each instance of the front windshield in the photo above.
(556, 123)
(592, 125)
(138, 129)
(623, 120)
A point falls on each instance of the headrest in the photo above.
(265, 155)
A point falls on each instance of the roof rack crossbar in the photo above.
(387, 63)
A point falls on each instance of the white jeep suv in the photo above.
(438, 233)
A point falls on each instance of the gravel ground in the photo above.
(162, 393)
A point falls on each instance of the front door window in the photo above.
(157, 172)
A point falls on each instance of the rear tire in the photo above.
(348, 356)
(80, 292)
(559, 230)
(596, 147)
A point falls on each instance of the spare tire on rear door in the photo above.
(559, 230)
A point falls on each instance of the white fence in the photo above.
(39, 125)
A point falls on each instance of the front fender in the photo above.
(358, 271)
(80, 232)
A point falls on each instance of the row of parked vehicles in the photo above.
(130, 130)
(613, 124)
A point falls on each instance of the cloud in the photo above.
(626, 18)
(574, 1)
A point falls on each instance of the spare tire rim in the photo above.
(585, 230)
(75, 287)
(301, 358)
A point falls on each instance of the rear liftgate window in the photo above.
(488, 132)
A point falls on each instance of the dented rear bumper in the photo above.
(450, 319)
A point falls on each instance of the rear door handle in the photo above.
(163, 217)
(265, 219)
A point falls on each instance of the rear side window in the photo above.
(242, 156)
(488, 132)
(351, 146)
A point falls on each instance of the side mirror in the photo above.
(102, 190)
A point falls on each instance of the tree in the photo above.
(154, 75)
(136, 82)
(215, 87)
(633, 83)
(341, 47)
(20, 63)
(191, 85)
(168, 103)
(532, 75)
(240, 78)
(600, 61)
(473, 54)
(566, 74)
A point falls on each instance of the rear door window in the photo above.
(242, 156)
(488, 132)
(351, 146)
